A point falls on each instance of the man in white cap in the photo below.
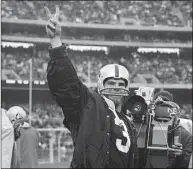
(25, 135)
(7, 138)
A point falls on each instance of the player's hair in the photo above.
(165, 95)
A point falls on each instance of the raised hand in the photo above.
(53, 28)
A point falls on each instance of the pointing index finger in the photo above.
(48, 12)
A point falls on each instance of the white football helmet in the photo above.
(16, 113)
(114, 71)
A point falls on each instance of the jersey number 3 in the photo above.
(120, 146)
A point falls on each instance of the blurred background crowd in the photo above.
(172, 13)
(144, 13)
(167, 68)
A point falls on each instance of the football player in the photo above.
(102, 135)
(26, 137)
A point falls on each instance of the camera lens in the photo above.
(137, 107)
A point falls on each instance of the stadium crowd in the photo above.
(165, 67)
(161, 12)
(171, 13)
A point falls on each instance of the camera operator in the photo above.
(177, 141)
(167, 96)
(181, 132)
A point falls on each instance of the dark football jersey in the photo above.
(120, 143)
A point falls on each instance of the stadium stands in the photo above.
(172, 13)
(166, 69)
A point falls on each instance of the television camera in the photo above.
(156, 123)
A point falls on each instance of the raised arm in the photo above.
(64, 84)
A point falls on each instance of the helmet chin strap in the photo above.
(112, 108)
(118, 107)
(107, 94)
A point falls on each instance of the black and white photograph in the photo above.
(96, 84)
